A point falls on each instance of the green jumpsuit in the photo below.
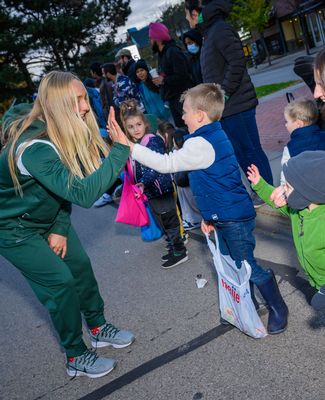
(66, 287)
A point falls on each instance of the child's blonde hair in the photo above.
(303, 109)
(130, 109)
(78, 141)
(207, 97)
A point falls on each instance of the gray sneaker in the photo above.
(109, 335)
(103, 200)
(89, 364)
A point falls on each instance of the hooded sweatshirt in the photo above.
(223, 60)
(47, 185)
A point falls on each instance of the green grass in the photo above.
(274, 87)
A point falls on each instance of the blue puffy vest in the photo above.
(218, 190)
(306, 138)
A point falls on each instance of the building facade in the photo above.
(295, 24)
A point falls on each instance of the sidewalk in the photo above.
(281, 61)
(274, 136)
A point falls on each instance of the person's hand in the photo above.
(58, 244)
(158, 80)
(253, 174)
(115, 132)
(141, 188)
(279, 197)
(207, 227)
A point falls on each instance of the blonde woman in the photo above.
(50, 159)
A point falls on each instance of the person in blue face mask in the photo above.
(193, 41)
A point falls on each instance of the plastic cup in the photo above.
(154, 73)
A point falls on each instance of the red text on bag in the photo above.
(231, 290)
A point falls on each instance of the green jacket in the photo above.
(308, 230)
(49, 191)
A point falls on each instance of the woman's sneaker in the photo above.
(109, 335)
(89, 364)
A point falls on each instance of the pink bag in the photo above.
(132, 210)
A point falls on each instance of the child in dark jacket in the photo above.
(301, 118)
(158, 187)
(216, 184)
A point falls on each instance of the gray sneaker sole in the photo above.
(98, 344)
(73, 372)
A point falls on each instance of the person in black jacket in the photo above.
(174, 71)
(223, 62)
(124, 57)
(192, 40)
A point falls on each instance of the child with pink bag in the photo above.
(157, 187)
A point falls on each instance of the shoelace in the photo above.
(109, 330)
(88, 358)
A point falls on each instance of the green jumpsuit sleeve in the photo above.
(44, 165)
(62, 221)
(264, 191)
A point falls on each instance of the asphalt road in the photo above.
(181, 351)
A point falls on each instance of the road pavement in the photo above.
(181, 351)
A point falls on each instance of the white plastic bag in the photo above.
(235, 302)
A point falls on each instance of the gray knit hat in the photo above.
(306, 174)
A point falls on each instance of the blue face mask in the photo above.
(193, 48)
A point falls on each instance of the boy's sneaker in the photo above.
(188, 226)
(102, 201)
(89, 364)
(318, 300)
(175, 259)
(109, 335)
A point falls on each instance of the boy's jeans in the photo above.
(237, 240)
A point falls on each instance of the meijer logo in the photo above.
(231, 290)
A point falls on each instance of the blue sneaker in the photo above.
(109, 335)
(102, 201)
(89, 364)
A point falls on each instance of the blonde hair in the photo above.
(303, 109)
(130, 109)
(319, 67)
(78, 141)
(207, 97)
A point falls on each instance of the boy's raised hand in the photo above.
(253, 174)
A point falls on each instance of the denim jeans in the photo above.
(242, 131)
(237, 240)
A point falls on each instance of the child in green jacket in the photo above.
(302, 198)
(52, 157)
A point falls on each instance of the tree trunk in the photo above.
(265, 48)
(23, 69)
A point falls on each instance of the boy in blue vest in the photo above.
(301, 117)
(217, 187)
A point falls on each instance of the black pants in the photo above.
(176, 109)
(164, 209)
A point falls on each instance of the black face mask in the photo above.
(297, 201)
(155, 48)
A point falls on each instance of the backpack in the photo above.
(96, 105)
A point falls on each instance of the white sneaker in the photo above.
(102, 201)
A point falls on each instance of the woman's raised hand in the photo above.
(115, 132)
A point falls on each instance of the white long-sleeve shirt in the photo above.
(196, 153)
